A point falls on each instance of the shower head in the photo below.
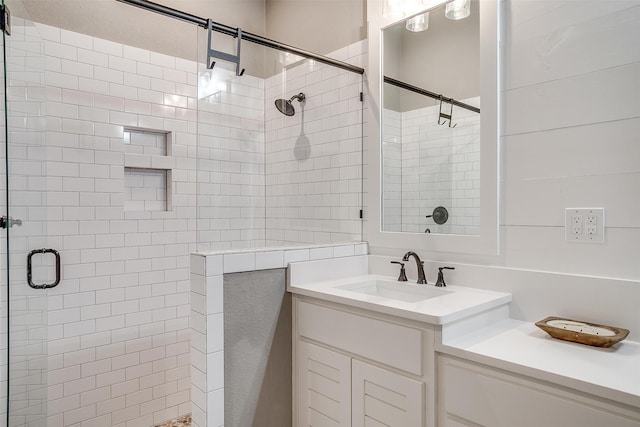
(286, 107)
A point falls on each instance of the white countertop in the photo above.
(523, 348)
(439, 310)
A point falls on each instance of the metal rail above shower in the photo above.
(231, 31)
(430, 94)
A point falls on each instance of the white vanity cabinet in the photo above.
(324, 387)
(382, 398)
(356, 368)
(470, 394)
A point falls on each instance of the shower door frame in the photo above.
(24, 302)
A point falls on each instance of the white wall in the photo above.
(571, 134)
(571, 108)
(314, 158)
(320, 26)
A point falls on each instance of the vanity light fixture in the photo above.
(458, 9)
(418, 22)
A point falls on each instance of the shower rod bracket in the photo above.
(444, 116)
(212, 53)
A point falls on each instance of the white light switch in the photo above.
(584, 225)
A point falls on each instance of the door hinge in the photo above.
(361, 213)
(5, 20)
(361, 97)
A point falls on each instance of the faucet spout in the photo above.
(421, 276)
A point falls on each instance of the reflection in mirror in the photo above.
(431, 125)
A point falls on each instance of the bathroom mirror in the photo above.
(436, 91)
(431, 122)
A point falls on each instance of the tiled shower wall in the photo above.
(440, 166)
(314, 158)
(231, 166)
(118, 322)
(117, 345)
(26, 126)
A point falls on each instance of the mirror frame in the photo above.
(488, 241)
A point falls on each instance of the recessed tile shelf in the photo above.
(146, 189)
(148, 167)
(145, 141)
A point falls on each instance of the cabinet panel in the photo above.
(383, 398)
(324, 387)
(389, 343)
(477, 396)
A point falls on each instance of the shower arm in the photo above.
(230, 31)
(300, 97)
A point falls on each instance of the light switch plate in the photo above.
(584, 225)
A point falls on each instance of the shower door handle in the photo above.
(29, 275)
(8, 222)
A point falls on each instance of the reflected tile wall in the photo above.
(441, 167)
(428, 165)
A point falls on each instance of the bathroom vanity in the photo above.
(367, 353)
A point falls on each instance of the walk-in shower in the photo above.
(116, 162)
(285, 106)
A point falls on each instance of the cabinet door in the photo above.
(324, 387)
(383, 398)
(471, 395)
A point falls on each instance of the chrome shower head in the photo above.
(286, 107)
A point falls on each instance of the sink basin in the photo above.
(400, 291)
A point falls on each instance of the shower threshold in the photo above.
(183, 421)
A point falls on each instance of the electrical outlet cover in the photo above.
(585, 225)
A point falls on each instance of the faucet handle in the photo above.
(440, 282)
(403, 273)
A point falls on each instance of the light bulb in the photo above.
(458, 9)
(418, 22)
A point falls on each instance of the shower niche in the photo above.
(148, 167)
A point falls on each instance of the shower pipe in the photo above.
(430, 94)
(230, 31)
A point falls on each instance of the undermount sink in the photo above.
(400, 291)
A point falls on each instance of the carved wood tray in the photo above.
(582, 332)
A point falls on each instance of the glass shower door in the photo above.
(23, 309)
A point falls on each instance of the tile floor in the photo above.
(184, 421)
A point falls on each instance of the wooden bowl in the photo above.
(582, 332)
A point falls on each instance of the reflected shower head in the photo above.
(286, 107)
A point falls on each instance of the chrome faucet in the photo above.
(421, 277)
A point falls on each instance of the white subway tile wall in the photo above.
(119, 320)
(314, 158)
(26, 125)
(119, 122)
(428, 165)
(392, 170)
(207, 315)
(231, 165)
